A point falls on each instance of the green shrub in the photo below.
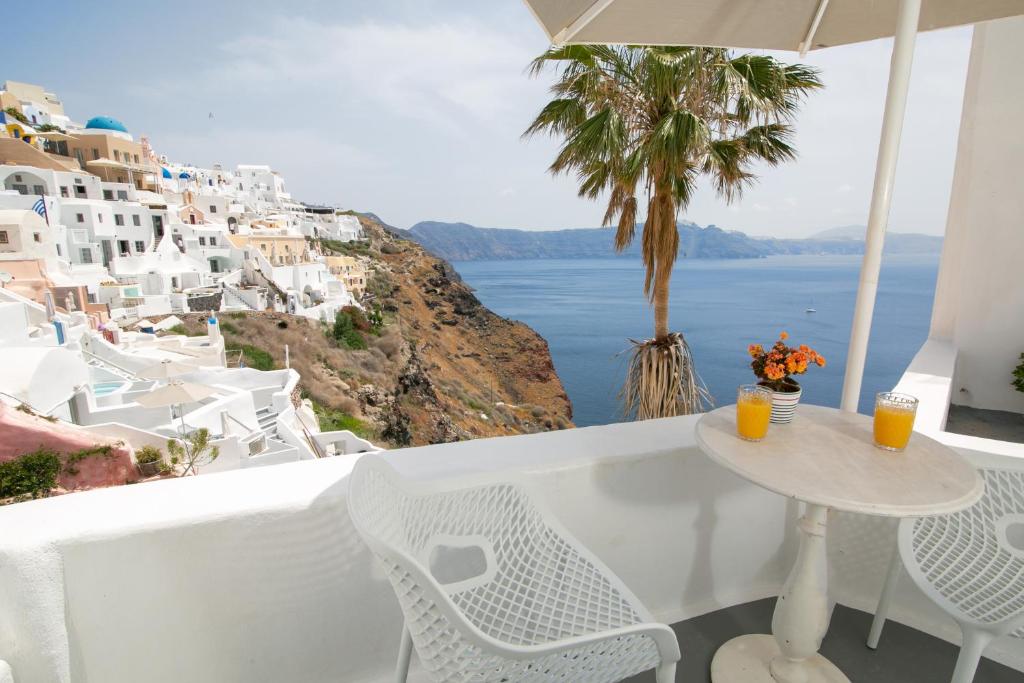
(31, 475)
(237, 315)
(72, 459)
(255, 357)
(346, 330)
(1018, 375)
(335, 420)
(16, 114)
(226, 326)
(148, 454)
(181, 329)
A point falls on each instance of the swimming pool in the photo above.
(104, 388)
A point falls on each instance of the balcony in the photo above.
(258, 575)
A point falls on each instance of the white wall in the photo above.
(258, 575)
(979, 299)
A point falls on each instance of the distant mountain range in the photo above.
(464, 242)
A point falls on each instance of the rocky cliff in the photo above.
(441, 368)
(463, 242)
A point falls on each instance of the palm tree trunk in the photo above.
(661, 308)
(665, 257)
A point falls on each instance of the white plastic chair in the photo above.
(494, 589)
(971, 564)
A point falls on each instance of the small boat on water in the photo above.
(810, 310)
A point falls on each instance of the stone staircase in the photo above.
(233, 298)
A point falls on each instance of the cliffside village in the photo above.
(99, 233)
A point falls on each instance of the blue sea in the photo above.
(588, 309)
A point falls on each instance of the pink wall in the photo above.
(21, 433)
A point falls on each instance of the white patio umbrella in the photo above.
(766, 24)
(167, 369)
(789, 25)
(176, 393)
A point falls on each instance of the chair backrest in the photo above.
(483, 560)
(973, 560)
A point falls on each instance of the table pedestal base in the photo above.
(747, 660)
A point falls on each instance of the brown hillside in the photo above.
(443, 368)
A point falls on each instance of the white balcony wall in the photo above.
(259, 575)
(979, 300)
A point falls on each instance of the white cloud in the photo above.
(416, 114)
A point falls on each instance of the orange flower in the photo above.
(820, 361)
(755, 350)
(784, 336)
(774, 371)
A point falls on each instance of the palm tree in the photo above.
(657, 119)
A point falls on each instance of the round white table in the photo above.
(827, 459)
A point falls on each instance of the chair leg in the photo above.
(882, 611)
(666, 673)
(974, 645)
(404, 655)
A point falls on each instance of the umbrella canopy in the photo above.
(54, 135)
(165, 173)
(105, 163)
(770, 24)
(167, 368)
(175, 393)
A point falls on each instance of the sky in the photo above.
(413, 109)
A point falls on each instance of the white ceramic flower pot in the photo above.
(784, 405)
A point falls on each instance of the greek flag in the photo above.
(40, 208)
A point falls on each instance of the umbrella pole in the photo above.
(184, 441)
(881, 199)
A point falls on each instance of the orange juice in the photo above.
(893, 425)
(752, 413)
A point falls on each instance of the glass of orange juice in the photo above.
(753, 408)
(894, 420)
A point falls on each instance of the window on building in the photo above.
(136, 157)
(95, 153)
(117, 155)
(80, 217)
(118, 219)
(202, 241)
(122, 195)
(136, 220)
(86, 255)
(17, 177)
(63, 190)
(58, 250)
(140, 246)
(38, 189)
(3, 237)
(37, 237)
(79, 190)
(213, 209)
(108, 195)
(122, 246)
(99, 217)
(213, 241)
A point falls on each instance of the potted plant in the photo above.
(775, 369)
(149, 461)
